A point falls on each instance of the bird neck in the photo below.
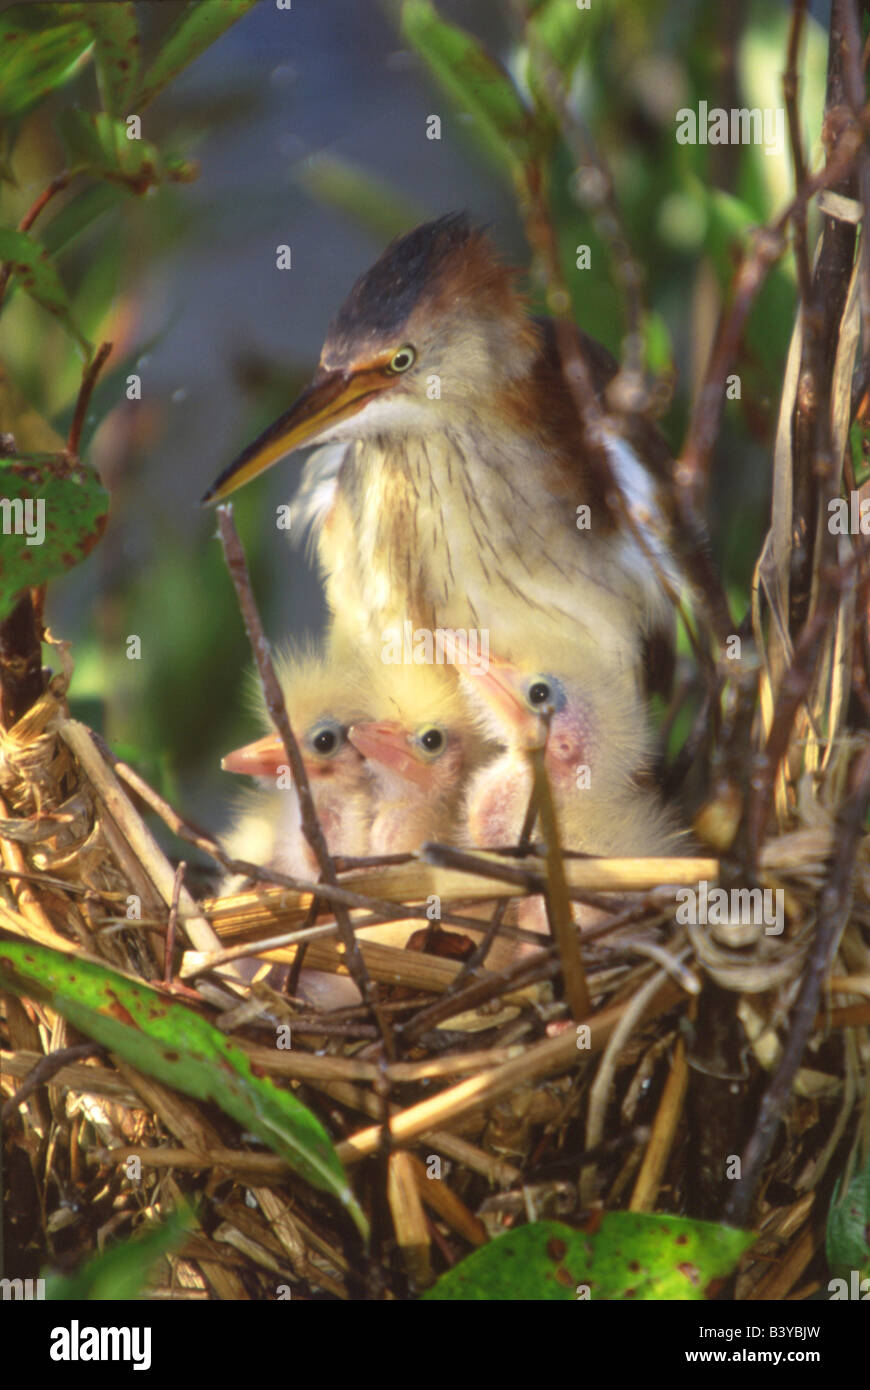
(475, 526)
(403, 821)
(344, 820)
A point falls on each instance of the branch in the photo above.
(44, 1070)
(814, 466)
(311, 828)
(89, 381)
(833, 916)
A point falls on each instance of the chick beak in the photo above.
(387, 744)
(260, 759)
(331, 396)
(499, 686)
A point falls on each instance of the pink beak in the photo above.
(387, 744)
(499, 688)
(260, 759)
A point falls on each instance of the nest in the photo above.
(495, 1091)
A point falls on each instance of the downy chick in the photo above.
(596, 754)
(421, 750)
(322, 696)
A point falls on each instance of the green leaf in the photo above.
(37, 277)
(79, 213)
(658, 350)
(196, 29)
(116, 53)
(474, 81)
(64, 508)
(565, 30)
(629, 1255)
(40, 49)
(99, 145)
(181, 1049)
(121, 1272)
(857, 438)
(847, 1242)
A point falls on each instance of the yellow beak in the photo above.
(331, 397)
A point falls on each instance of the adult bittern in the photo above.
(463, 498)
(420, 749)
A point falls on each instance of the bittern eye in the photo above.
(543, 693)
(402, 359)
(431, 740)
(326, 737)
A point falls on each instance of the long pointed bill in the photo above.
(260, 759)
(387, 744)
(331, 397)
(499, 689)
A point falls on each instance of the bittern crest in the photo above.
(459, 496)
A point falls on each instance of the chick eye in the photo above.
(432, 740)
(543, 692)
(326, 738)
(402, 359)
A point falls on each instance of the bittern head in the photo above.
(526, 708)
(435, 326)
(558, 697)
(423, 739)
(322, 700)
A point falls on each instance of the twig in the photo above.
(153, 868)
(833, 915)
(784, 1274)
(311, 828)
(765, 248)
(172, 924)
(542, 1059)
(630, 1016)
(299, 958)
(556, 896)
(792, 692)
(652, 1169)
(45, 1070)
(790, 92)
(480, 953)
(525, 971)
(793, 689)
(585, 873)
(690, 473)
(89, 381)
(814, 466)
(449, 857)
